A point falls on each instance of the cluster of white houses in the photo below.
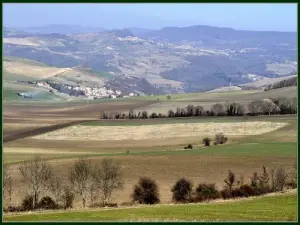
(82, 91)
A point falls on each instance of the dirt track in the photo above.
(38, 131)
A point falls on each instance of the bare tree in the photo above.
(264, 178)
(6, 177)
(272, 177)
(294, 177)
(81, 178)
(240, 182)
(269, 107)
(144, 114)
(103, 115)
(255, 107)
(37, 174)
(178, 112)
(109, 178)
(67, 197)
(190, 110)
(199, 110)
(230, 180)
(171, 113)
(131, 114)
(218, 109)
(240, 109)
(56, 188)
(7, 182)
(280, 179)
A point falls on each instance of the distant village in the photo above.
(78, 91)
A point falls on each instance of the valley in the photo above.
(144, 65)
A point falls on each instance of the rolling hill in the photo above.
(171, 60)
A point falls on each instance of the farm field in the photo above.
(207, 100)
(152, 148)
(281, 207)
(165, 160)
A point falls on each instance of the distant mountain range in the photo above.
(216, 36)
(171, 60)
(57, 28)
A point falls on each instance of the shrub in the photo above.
(182, 190)
(220, 139)
(206, 192)
(189, 146)
(47, 203)
(236, 193)
(246, 190)
(146, 192)
(206, 141)
(27, 203)
(226, 193)
(13, 209)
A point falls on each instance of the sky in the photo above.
(255, 16)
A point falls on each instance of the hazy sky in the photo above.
(276, 17)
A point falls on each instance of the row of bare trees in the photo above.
(85, 180)
(91, 182)
(257, 107)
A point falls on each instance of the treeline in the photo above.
(284, 83)
(95, 184)
(258, 107)
(266, 182)
(183, 191)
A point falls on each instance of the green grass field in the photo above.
(23, 60)
(242, 148)
(268, 208)
(10, 94)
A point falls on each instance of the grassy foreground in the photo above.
(282, 207)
